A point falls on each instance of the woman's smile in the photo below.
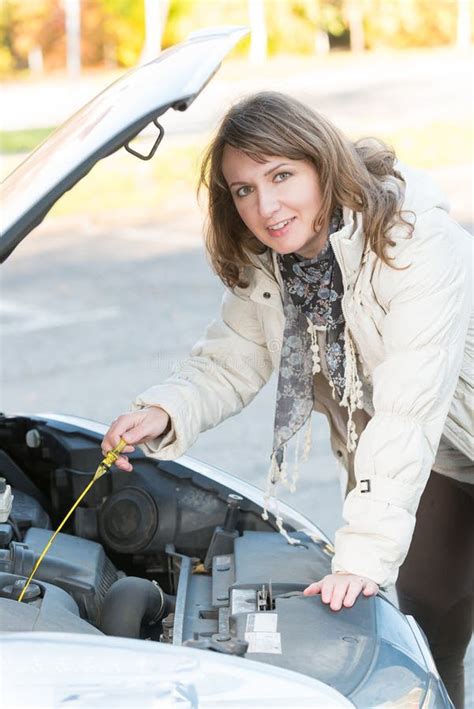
(281, 228)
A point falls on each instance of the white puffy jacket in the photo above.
(410, 327)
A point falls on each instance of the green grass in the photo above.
(22, 141)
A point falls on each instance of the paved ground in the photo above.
(95, 311)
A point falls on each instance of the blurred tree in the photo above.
(409, 23)
(185, 16)
(95, 49)
(304, 26)
(121, 32)
(331, 16)
(8, 57)
(26, 27)
(330, 19)
(124, 30)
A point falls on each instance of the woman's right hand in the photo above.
(137, 427)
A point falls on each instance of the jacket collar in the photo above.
(265, 284)
(349, 245)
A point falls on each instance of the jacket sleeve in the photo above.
(223, 373)
(423, 336)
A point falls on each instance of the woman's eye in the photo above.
(279, 177)
(243, 191)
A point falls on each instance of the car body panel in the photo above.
(89, 671)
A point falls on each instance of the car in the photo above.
(168, 585)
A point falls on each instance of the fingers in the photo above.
(124, 427)
(329, 591)
(338, 590)
(136, 427)
(127, 449)
(314, 589)
(353, 590)
(122, 463)
(120, 428)
(371, 589)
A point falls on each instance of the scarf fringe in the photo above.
(307, 439)
(295, 472)
(352, 397)
(277, 475)
(268, 499)
(316, 357)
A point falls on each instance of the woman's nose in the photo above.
(268, 204)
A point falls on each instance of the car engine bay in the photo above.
(169, 555)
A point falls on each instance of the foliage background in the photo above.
(113, 31)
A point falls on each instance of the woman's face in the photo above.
(278, 200)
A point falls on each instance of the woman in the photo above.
(346, 274)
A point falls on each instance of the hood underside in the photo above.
(105, 124)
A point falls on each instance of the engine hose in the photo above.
(129, 603)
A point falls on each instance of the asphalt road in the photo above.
(94, 312)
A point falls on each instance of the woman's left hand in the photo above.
(342, 589)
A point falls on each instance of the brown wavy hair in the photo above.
(360, 176)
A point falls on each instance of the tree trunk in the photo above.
(463, 37)
(156, 13)
(258, 32)
(72, 10)
(355, 17)
(321, 42)
(35, 60)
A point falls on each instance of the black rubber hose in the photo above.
(15, 527)
(129, 603)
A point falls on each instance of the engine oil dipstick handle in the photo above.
(103, 468)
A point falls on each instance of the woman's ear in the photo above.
(318, 223)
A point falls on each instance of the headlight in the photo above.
(436, 696)
(412, 700)
(403, 674)
(431, 696)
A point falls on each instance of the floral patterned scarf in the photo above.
(312, 298)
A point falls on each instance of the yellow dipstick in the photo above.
(104, 466)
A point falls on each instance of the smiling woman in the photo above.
(345, 273)
(306, 160)
(277, 201)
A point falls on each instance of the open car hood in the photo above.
(105, 124)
